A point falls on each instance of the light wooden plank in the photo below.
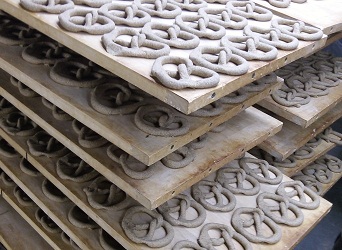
(320, 150)
(137, 71)
(307, 114)
(118, 129)
(15, 232)
(325, 15)
(242, 132)
(58, 212)
(291, 137)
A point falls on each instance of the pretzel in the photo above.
(289, 162)
(23, 89)
(159, 8)
(52, 192)
(185, 244)
(333, 163)
(69, 241)
(280, 3)
(318, 171)
(47, 223)
(290, 97)
(7, 150)
(314, 142)
(199, 142)
(22, 197)
(331, 136)
(49, 6)
(28, 168)
(92, 3)
(191, 5)
(18, 34)
(180, 158)
(107, 242)
(304, 85)
(6, 179)
(250, 10)
(213, 109)
(309, 182)
(18, 124)
(235, 97)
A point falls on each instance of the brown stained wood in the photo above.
(335, 179)
(307, 114)
(241, 133)
(320, 150)
(291, 137)
(137, 71)
(15, 232)
(58, 212)
(325, 15)
(118, 129)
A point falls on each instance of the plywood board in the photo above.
(57, 211)
(325, 15)
(241, 133)
(137, 71)
(111, 219)
(13, 227)
(307, 114)
(118, 129)
(292, 136)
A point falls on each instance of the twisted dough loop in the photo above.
(49, 6)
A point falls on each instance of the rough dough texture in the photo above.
(5, 106)
(191, 5)
(213, 109)
(108, 242)
(47, 223)
(333, 163)
(290, 97)
(18, 124)
(52, 192)
(7, 180)
(7, 150)
(18, 34)
(80, 219)
(69, 241)
(303, 153)
(49, 6)
(180, 158)
(331, 136)
(22, 197)
(92, 3)
(250, 10)
(28, 168)
(159, 8)
(289, 162)
(23, 89)
(185, 244)
(318, 171)
(235, 97)
(309, 182)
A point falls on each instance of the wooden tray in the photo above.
(292, 136)
(13, 227)
(307, 114)
(118, 129)
(242, 132)
(137, 71)
(325, 15)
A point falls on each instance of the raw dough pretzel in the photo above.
(131, 166)
(5, 106)
(23, 89)
(204, 191)
(7, 150)
(219, 128)
(318, 171)
(199, 142)
(115, 98)
(52, 192)
(321, 77)
(180, 79)
(257, 219)
(47, 223)
(45, 52)
(213, 109)
(86, 137)
(314, 142)
(160, 121)
(228, 237)
(309, 182)
(57, 113)
(43, 144)
(18, 124)
(176, 209)
(297, 29)
(92, 3)
(71, 167)
(144, 233)
(224, 17)
(288, 97)
(85, 20)
(300, 196)
(235, 97)
(103, 194)
(283, 212)
(250, 47)
(28, 168)
(289, 162)
(69, 241)
(250, 10)
(107, 242)
(80, 219)
(18, 34)
(330, 136)
(219, 59)
(304, 85)
(235, 179)
(159, 8)
(185, 244)
(76, 74)
(180, 158)
(124, 14)
(333, 163)
(190, 5)
(217, 1)
(262, 171)
(49, 6)
(135, 47)
(6, 179)
(280, 3)
(171, 35)
(200, 26)
(272, 36)
(22, 197)
(304, 152)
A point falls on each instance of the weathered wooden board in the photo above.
(325, 15)
(118, 129)
(137, 71)
(241, 133)
(320, 150)
(58, 212)
(305, 115)
(291, 137)
(15, 232)
(111, 220)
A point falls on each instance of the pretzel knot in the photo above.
(180, 158)
(5, 106)
(204, 191)
(332, 162)
(304, 152)
(50, 6)
(160, 8)
(290, 97)
(18, 34)
(47, 223)
(282, 205)
(309, 182)
(331, 136)
(299, 195)
(177, 214)
(248, 9)
(228, 237)
(191, 5)
(147, 233)
(320, 171)
(22, 197)
(16, 123)
(245, 217)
